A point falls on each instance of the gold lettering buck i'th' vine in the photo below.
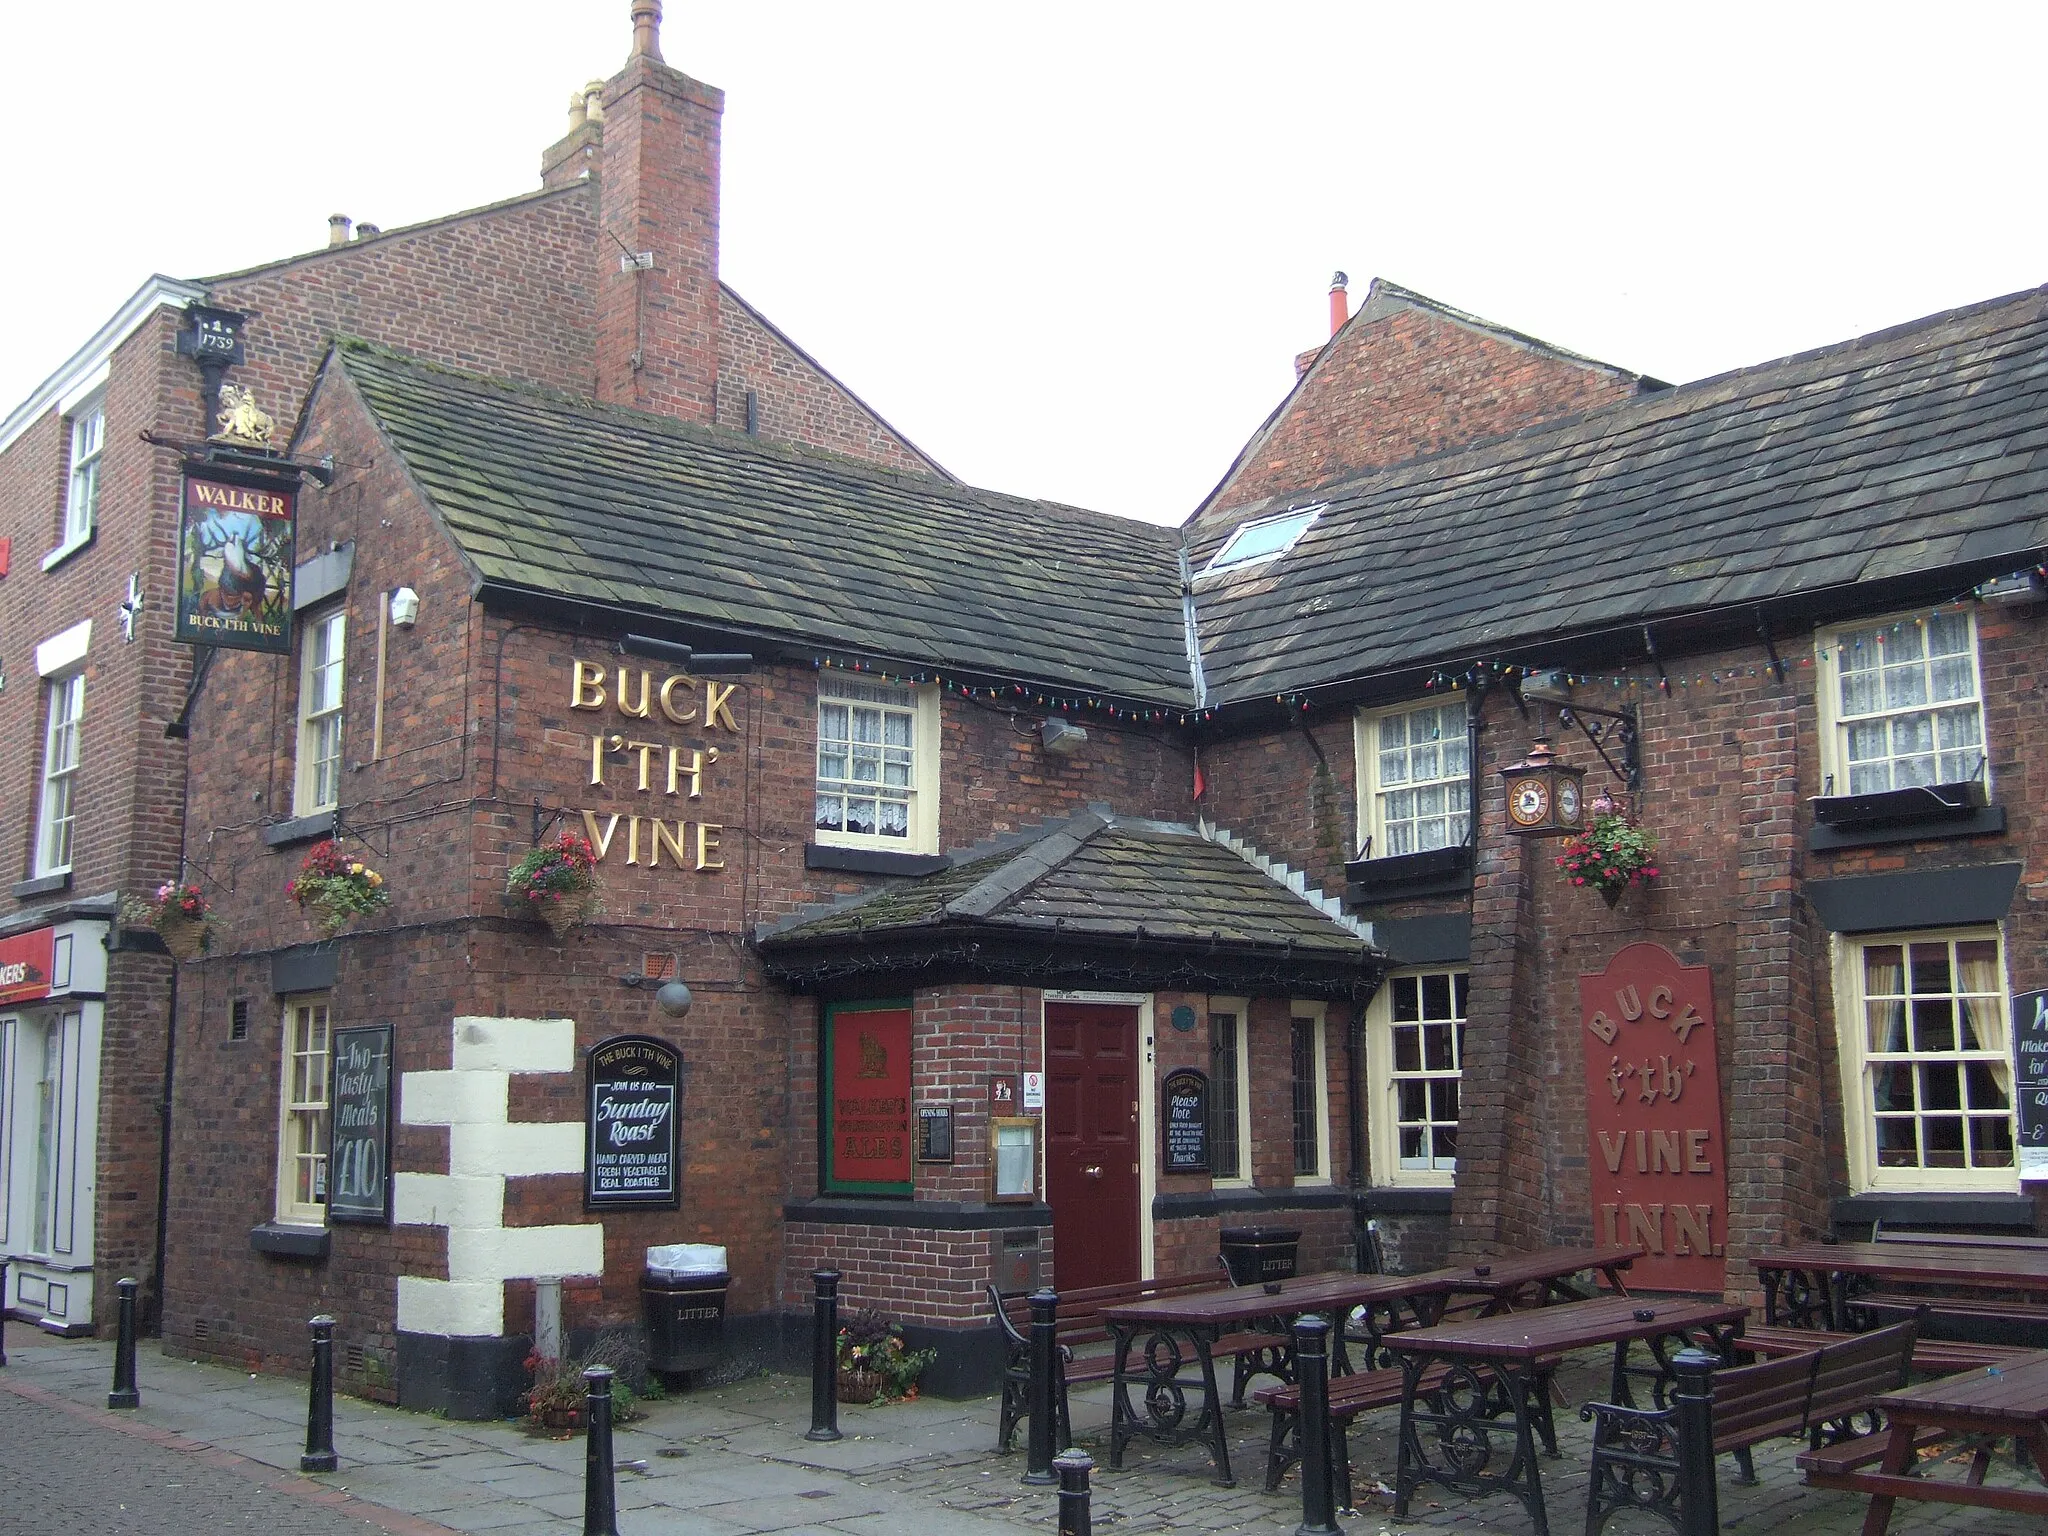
(624, 760)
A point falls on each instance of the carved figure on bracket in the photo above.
(241, 422)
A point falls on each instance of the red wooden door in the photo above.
(1091, 1132)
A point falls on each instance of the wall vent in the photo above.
(352, 1359)
(238, 1019)
(202, 1329)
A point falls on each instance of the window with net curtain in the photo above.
(1937, 1063)
(1418, 767)
(1909, 709)
(867, 761)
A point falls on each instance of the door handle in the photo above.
(1093, 1173)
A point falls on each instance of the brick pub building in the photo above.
(1014, 797)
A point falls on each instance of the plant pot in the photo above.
(559, 1418)
(1612, 894)
(184, 937)
(859, 1386)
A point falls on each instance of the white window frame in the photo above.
(1238, 1011)
(1372, 823)
(1228, 556)
(922, 793)
(1852, 1033)
(1383, 1080)
(303, 1119)
(57, 801)
(1829, 646)
(86, 434)
(319, 750)
(1318, 1015)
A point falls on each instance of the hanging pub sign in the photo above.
(2030, 1080)
(236, 535)
(1185, 1094)
(633, 1084)
(1653, 1116)
(359, 1135)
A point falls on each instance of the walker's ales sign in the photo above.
(26, 961)
(1653, 1114)
(235, 550)
(868, 1139)
(633, 1083)
(630, 753)
(1185, 1122)
(359, 1145)
(2030, 1080)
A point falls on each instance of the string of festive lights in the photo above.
(1476, 675)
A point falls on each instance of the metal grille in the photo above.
(1307, 1153)
(1223, 1074)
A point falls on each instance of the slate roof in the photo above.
(1096, 876)
(558, 496)
(1905, 452)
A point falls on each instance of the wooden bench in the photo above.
(1815, 1393)
(2016, 1322)
(1931, 1357)
(1083, 1355)
(1355, 1394)
(1879, 1234)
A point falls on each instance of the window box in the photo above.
(1891, 807)
(1439, 872)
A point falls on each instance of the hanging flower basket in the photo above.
(1612, 856)
(334, 888)
(558, 882)
(181, 916)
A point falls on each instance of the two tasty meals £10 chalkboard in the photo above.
(359, 1126)
(634, 1084)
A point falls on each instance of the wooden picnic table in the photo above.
(1811, 1285)
(1499, 1368)
(1980, 1406)
(1180, 1334)
(1180, 1331)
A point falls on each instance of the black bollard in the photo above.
(1074, 1469)
(320, 1455)
(1699, 1501)
(3, 1311)
(600, 1502)
(1312, 1380)
(1045, 1307)
(124, 1394)
(824, 1355)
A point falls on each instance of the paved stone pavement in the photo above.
(725, 1461)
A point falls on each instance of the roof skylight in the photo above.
(1264, 538)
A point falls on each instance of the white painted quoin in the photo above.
(486, 1147)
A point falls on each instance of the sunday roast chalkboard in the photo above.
(634, 1084)
(359, 1134)
(1185, 1094)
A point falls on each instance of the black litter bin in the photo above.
(1257, 1254)
(683, 1300)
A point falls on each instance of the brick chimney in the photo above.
(657, 325)
(573, 157)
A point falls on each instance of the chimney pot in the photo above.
(593, 102)
(578, 114)
(647, 29)
(367, 231)
(337, 229)
(1340, 302)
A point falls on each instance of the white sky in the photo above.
(1070, 249)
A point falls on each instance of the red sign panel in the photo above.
(1653, 1116)
(869, 1100)
(26, 961)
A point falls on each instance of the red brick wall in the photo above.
(1397, 385)
(794, 401)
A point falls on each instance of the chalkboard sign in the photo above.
(935, 1133)
(634, 1088)
(2030, 1080)
(1186, 1095)
(359, 1126)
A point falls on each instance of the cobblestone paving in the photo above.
(729, 1461)
(63, 1476)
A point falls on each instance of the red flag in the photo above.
(1200, 783)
